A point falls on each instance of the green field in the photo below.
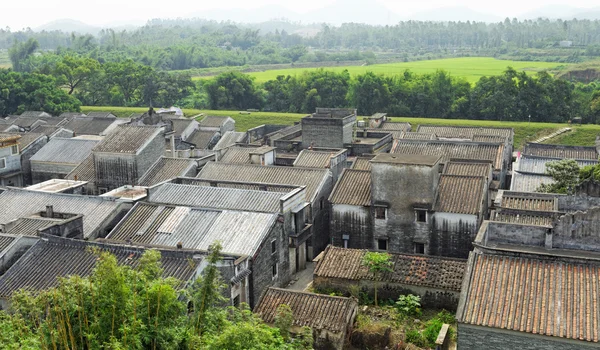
(4, 60)
(470, 68)
(584, 135)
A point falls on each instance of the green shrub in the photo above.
(413, 336)
(432, 330)
(409, 305)
(446, 317)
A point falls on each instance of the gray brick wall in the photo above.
(42, 171)
(353, 221)
(149, 155)
(475, 337)
(26, 155)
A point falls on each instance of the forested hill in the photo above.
(170, 45)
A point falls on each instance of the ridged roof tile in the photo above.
(452, 150)
(67, 151)
(352, 188)
(166, 169)
(460, 194)
(561, 151)
(127, 139)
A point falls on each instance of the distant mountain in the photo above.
(353, 11)
(255, 15)
(68, 26)
(563, 12)
(455, 14)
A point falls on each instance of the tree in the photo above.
(377, 264)
(284, 320)
(20, 52)
(74, 71)
(565, 174)
(233, 90)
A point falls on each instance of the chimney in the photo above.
(173, 151)
(49, 211)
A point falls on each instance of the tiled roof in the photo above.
(362, 163)
(352, 188)
(258, 186)
(47, 130)
(460, 194)
(314, 159)
(217, 197)
(240, 233)
(285, 132)
(30, 226)
(467, 168)
(312, 178)
(317, 311)
(165, 169)
(27, 139)
(15, 204)
(213, 121)
(396, 134)
(464, 131)
(89, 125)
(69, 115)
(230, 138)
(241, 155)
(523, 218)
(537, 165)
(9, 137)
(34, 114)
(550, 298)
(85, 171)
(180, 124)
(127, 139)
(54, 257)
(26, 122)
(68, 151)
(202, 139)
(417, 136)
(528, 182)
(528, 202)
(5, 241)
(107, 115)
(560, 151)
(452, 150)
(417, 270)
(395, 126)
(488, 138)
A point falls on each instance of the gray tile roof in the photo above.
(452, 150)
(16, 203)
(312, 178)
(317, 311)
(54, 257)
(230, 138)
(167, 168)
(399, 126)
(128, 139)
(180, 124)
(203, 139)
(28, 138)
(34, 114)
(537, 165)
(67, 151)
(217, 197)
(107, 115)
(69, 115)
(47, 130)
(213, 121)
(362, 163)
(528, 201)
(560, 151)
(85, 171)
(314, 159)
(460, 194)
(528, 182)
(30, 226)
(465, 132)
(467, 168)
(89, 125)
(352, 188)
(5, 241)
(417, 136)
(488, 138)
(240, 233)
(241, 155)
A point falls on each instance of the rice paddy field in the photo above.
(469, 68)
(583, 135)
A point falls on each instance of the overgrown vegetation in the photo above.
(377, 264)
(119, 307)
(565, 176)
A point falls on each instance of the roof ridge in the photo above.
(326, 296)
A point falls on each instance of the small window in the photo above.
(419, 248)
(14, 149)
(345, 239)
(2, 163)
(380, 213)
(273, 246)
(382, 244)
(322, 203)
(421, 215)
(274, 268)
(236, 301)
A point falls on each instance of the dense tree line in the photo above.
(119, 307)
(184, 44)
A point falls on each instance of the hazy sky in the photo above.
(18, 14)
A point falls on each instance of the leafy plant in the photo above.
(415, 337)
(377, 263)
(409, 305)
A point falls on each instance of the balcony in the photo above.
(296, 239)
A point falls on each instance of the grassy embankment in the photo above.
(470, 68)
(584, 135)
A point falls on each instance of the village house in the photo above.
(52, 131)
(318, 182)
(12, 247)
(29, 144)
(201, 139)
(335, 160)
(229, 139)
(94, 124)
(54, 257)
(248, 154)
(100, 215)
(10, 160)
(331, 318)
(125, 155)
(217, 124)
(59, 157)
(436, 280)
(256, 238)
(289, 203)
(166, 168)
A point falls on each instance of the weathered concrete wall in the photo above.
(452, 239)
(149, 155)
(43, 171)
(15, 251)
(579, 230)
(327, 132)
(506, 233)
(263, 261)
(320, 219)
(115, 170)
(72, 228)
(475, 337)
(574, 203)
(26, 155)
(354, 221)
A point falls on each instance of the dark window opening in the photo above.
(322, 203)
(419, 248)
(273, 247)
(421, 215)
(380, 212)
(236, 301)
(274, 270)
(382, 244)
